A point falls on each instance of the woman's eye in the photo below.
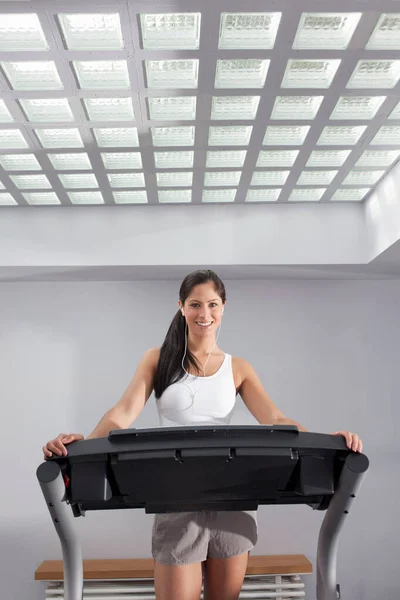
(213, 305)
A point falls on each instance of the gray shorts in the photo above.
(191, 537)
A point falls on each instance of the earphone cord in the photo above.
(193, 393)
(209, 354)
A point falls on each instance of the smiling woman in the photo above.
(190, 343)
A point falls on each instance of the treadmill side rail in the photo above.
(350, 481)
(53, 488)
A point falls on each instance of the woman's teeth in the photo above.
(204, 324)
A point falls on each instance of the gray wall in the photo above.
(326, 352)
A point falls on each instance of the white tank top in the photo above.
(199, 400)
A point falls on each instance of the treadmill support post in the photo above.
(53, 488)
(350, 480)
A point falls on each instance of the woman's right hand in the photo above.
(57, 446)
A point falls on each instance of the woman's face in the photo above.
(203, 309)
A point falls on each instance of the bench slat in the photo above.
(132, 568)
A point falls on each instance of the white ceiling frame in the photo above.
(208, 54)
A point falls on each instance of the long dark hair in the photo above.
(169, 368)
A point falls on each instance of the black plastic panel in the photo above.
(201, 468)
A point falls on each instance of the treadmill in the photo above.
(182, 469)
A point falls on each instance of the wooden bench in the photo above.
(138, 568)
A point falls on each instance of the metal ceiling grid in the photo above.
(317, 119)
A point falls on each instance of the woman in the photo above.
(195, 382)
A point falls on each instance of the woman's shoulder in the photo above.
(239, 362)
(152, 355)
(240, 367)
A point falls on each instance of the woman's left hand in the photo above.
(352, 440)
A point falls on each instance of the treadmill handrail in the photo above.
(118, 434)
(218, 436)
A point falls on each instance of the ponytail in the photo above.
(169, 369)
